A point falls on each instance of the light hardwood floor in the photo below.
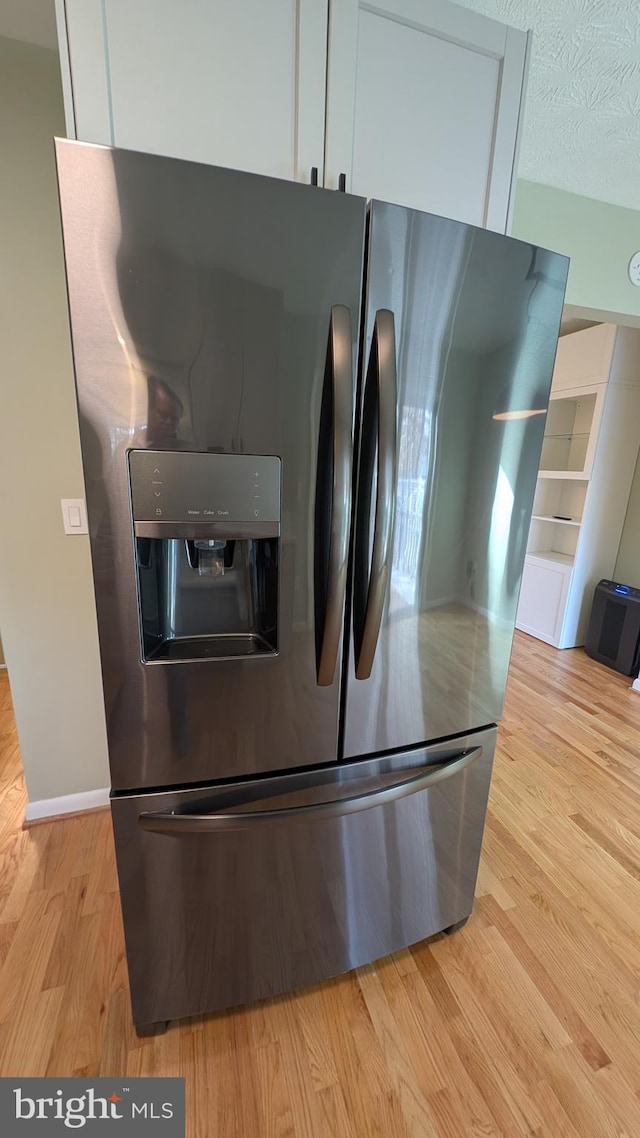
(527, 1022)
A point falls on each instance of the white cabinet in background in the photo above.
(417, 102)
(588, 460)
(424, 100)
(545, 584)
(216, 81)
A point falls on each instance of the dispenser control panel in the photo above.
(188, 486)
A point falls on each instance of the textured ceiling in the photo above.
(582, 126)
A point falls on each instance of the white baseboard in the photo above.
(66, 804)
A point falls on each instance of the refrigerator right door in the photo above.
(461, 332)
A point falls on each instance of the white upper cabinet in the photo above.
(216, 81)
(424, 102)
(417, 102)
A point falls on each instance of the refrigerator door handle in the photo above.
(338, 406)
(383, 361)
(168, 822)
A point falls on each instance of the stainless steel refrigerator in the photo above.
(310, 433)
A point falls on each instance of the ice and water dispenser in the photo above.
(206, 533)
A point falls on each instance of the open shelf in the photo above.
(565, 497)
(573, 475)
(567, 436)
(556, 521)
(551, 535)
(568, 432)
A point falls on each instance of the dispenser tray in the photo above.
(224, 646)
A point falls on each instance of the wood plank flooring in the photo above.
(526, 1022)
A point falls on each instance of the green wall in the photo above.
(47, 608)
(600, 239)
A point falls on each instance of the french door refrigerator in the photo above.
(310, 434)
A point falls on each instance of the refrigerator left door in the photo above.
(216, 313)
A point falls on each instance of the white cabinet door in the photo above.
(545, 584)
(217, 81)
(424, 102)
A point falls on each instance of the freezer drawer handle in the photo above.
(167, 822)
(382, 368)
(333, 508)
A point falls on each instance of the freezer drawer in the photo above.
(235, 893)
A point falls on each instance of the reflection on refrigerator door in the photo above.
(477, 318)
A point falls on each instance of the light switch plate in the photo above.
(74, 515)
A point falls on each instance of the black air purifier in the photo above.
(613, 636)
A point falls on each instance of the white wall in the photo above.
(46, 595)
(627, 567)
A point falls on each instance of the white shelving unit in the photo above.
(586, 469)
